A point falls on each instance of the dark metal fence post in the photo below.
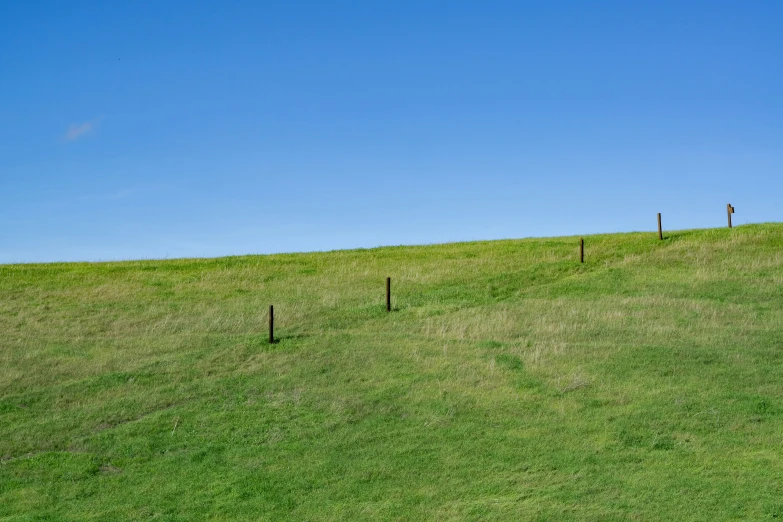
(388, 294)
(660, 230)
(582, 250)
(271, 324)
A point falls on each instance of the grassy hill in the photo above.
(510, 382)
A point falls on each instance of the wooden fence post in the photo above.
(660, 230)
(271, 324)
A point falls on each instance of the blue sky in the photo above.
(167, 129)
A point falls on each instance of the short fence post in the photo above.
(729, 211)
(660, 230)
(582, 250)
(271, 324)
(388, 294)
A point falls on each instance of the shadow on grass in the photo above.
(287, 338)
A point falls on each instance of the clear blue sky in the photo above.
(177, 129)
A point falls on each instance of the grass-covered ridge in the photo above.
(510, 383)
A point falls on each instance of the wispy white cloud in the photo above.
(78, 130)
(122, 194)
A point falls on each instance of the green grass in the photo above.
(510, 383)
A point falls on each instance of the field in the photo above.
(510, 382)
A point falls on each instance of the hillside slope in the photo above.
(510, 382)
